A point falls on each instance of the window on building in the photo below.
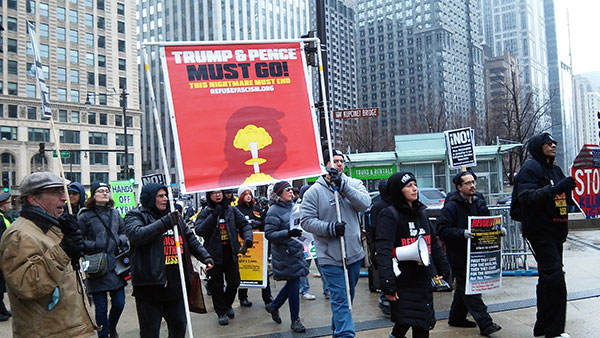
(12, 88)
(74, 158)
(74, 36)
(12, 111)
(74, 56)
(44, 51)
(62, 94)
(121, 27)
(30, 69)
(122, 64)
(31, 113)
(44, 30)
(62, 115)
(98, 138)
(129, 121)
(61, 54)
(101, 61)
(61, 74)
(89, 20)
(91, 118)
(73, 176)
(101, 41)
(74, 76)
(44, 9)
(98, 177)
(120, 8)
(12, 4)
(101, 22)
(103, 119)
(121, 159)
(122, 83)
(102, 80)
(89, 4)
(74, 95)
(120, 142)
(61, 34)
(69, 136)
(74, 116)
(30, 8)
(31, 90)
(121, 46)
(100, 4)
(89, 59)
(61, 13)
(12, 67)
(11, 24)
(73, 16)
(90, 79)
(118, 120)
(38, 135)
(8, 133)
(12, 45)
(102, 99)
(89, 39)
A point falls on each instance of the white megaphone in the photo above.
(417, 251)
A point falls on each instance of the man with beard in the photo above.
(452, 230)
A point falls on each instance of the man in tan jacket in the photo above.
(46, 296)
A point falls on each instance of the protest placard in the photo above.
(123, 195)
(253, 265)
(484, 254)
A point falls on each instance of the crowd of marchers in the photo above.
(42, 247)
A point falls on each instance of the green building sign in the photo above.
(373, 173)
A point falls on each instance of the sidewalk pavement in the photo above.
(512, 306)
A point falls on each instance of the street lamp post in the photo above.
(123, 94)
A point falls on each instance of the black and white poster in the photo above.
(460, 146)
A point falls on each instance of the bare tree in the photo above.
(364, 135)
(432, 119)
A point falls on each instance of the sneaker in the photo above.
(490, 329)
(297, 326)
(564, 335)
(462, 323)
(230, 313)
(309, 296)
(223, 320)
(274, 313)
(245, 302)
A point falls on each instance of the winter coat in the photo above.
(35, 265)
(206, 226)
(288, 253)
(452, 223)
(4, 222)
(319, 215)
(145, 231)
(253, 215)
(544, 215)
(414, 306)
(95, 241)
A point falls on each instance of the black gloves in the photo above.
(209, 261)
(565, 185)
(72, 244)
(248, 243)
(335, 178)
(68, 223)
(294, 232)
(170, 219)
(218, 211)
(339, 228)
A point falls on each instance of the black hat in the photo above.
(326, 154)
(458, 177)
(547, 138)
(406, 177)
(280, 186)
(5, 196)
(96, 185)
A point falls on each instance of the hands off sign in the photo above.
(586, 172)
(460, 146)
(123, 195)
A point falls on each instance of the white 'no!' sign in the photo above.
(460, 146)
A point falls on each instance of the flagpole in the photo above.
(163, 157)
(335, 188)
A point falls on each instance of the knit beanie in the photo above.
(96, 185)
(280, 186)
(326, 155)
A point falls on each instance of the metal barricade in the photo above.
(514, 247)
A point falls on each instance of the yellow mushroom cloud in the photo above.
(252, 134)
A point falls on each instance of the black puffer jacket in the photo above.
(95, 240)
(252, 214)
(543, 213)
(414, 306)
(453, 221)
(207, 227)
(288, 253)
(145, 230)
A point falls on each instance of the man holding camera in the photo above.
(319, 216)
(37, 255)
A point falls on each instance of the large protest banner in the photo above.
(253, 265)
(241, 114)
(484, 254)
(123, 195)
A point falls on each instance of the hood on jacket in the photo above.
(148, 195)
(224, 202)
(381, 187)
(78, 188)
(535, 147)
(393, 190)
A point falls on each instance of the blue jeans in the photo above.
(117, 304)
(291, 292)
(305, 287)
(343, 326)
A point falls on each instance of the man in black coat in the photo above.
(452, 230)
(154, 271)
(220, 224)
(543, 194)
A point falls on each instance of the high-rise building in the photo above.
(212, 20)
(87, 49)
(560, 75)
(501, 80)
(421, 63)
(587, 110)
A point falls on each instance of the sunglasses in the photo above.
(551, 143)
(287, 189)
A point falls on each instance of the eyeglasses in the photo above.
(470, 183)
(287, 189)
(102, 191)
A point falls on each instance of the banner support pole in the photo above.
(335, 190)
(163, 157)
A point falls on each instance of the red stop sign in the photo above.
(586, 172)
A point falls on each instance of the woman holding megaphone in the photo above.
(405, 244)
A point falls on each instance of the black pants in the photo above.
(151, 313)
(400, 330)
(227, 272)
(266, 293)
(463, 304)
(551, 289)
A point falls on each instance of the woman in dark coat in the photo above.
(401, 224)
(103, 230)
(289, 263)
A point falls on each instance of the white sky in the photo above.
(585, 35)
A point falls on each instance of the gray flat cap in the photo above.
(38, 181)
(4, 196)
